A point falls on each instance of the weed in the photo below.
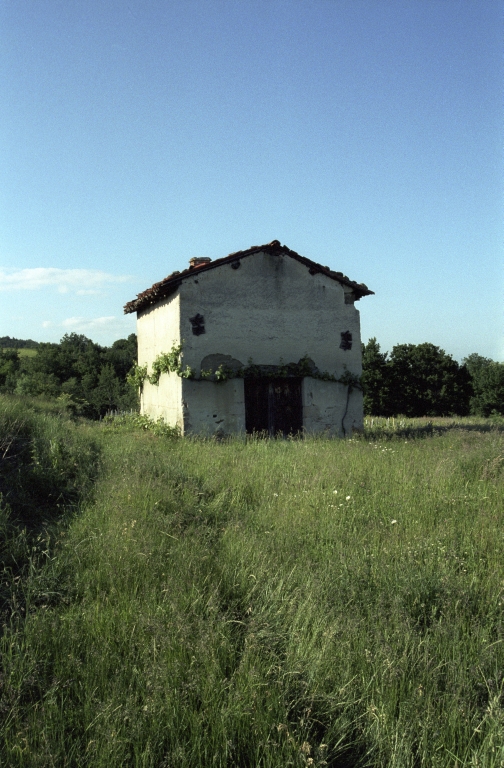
(267, 603)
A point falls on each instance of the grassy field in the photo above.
(24, 351)
(252, 603)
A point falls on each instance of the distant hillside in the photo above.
(7, 341)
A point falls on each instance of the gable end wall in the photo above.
(270, 310)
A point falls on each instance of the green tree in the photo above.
(426, 381)
(13, 343)
(47, 361)
(122, 355)
(9, 367)
(374, 379)
(80, 357)
(37, 384)
(106, 396)
(474, 363)
(487, 378)
(91, 378)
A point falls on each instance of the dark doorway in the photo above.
(273, 406)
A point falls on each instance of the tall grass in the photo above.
(47, 466)
(270, 603)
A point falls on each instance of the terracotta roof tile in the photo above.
(170, 284)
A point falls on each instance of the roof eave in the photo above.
(169, 285)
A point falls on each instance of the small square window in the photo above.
(346, 340)
(198, 324)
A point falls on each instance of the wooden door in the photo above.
(273, 406)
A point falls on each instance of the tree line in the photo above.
(413, 380)
(423, 380)
(11, 342)
(88, 378)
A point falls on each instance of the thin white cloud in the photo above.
(84, 324)
(80, 281)
(81, 322)
(100, 329)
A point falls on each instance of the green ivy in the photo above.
(137, 376)
(167, 362)
(171, 362)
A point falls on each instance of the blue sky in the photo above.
(364, 134)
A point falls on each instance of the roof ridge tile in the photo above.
(169, 284)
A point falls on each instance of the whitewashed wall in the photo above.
(158, 330)
(213, 408)
(164, 400)
(271, 311)
(328, 407)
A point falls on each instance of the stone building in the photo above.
(260, 340)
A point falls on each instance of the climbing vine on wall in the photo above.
(166, 362)
(137, 376)
(171, 362)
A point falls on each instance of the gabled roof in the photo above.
(170, 284)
